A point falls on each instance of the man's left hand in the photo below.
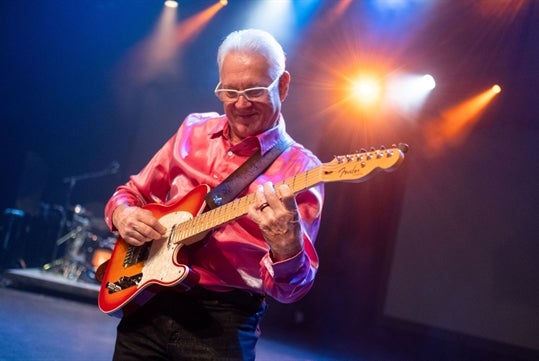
(276, 213)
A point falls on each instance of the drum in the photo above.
(85, 246)
(100, 256)
(98, 251)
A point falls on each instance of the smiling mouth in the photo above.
(245, 116)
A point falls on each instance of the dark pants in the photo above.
(197, 325)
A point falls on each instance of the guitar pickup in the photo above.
(123, 283)
(136, 254)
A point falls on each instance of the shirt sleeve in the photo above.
(150, 185)
(289, 280)
(155, 182)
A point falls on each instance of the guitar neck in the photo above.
(186, 231)
(355, 167)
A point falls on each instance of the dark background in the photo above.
(438, 256)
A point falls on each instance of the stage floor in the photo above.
(49, 280)
(46, 316)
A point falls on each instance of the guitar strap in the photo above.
(244, 175)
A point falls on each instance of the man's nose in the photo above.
(242, 101)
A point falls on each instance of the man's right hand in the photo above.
(137, 225)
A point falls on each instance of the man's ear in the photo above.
(284, 84)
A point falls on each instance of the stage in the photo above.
(39, 278)
(46, 316)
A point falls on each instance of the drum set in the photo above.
(87, 244)
(76, 235)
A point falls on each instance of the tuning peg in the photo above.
(359, 156)
(403, 147)
(339, 159)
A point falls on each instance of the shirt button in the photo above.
(215, 176)
(230, 153)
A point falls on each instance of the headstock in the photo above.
(357, 166)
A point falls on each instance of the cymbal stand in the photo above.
(72, 264)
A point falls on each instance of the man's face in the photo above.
(241, 71)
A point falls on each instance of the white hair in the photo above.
(254, 41)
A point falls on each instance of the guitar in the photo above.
(134, 274)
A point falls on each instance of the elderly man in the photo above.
(268, 252)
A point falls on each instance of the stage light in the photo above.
(456, 123)
(391, 4)
(428, 82)
(367, 90)
(409, 91)
(223, 2)
(171, 4)
(276, 17)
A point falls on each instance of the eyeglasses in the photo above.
(251, 94)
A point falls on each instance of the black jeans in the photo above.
(195, 326)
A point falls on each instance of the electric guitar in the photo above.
(134, 274)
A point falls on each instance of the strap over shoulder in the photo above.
(245, 175)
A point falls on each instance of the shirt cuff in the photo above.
(285, 270)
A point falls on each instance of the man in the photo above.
(269, 252)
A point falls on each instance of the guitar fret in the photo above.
(340, 169)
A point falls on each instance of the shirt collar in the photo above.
(264, 141)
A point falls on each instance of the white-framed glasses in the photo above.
(251, 94)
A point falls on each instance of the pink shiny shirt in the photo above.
(234, 255)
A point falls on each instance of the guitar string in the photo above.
(235, 209)
(230, 211)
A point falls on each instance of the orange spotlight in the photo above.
(158, 52)
(190, 28)
(367, 90)
(502, 9)
(456, 123)
(153, 53)
(335, 13)
(341, 7)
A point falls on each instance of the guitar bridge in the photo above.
(123, 283)
(136, 254)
